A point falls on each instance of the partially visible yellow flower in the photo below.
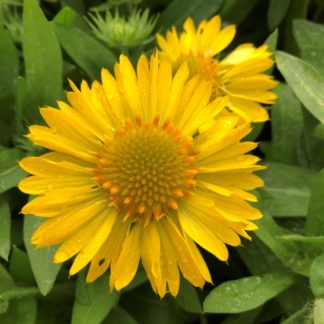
(239, 75)
(142, 166)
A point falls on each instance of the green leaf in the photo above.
(22, 311)
(100, 300)
(89, 54)
(10, 172)
(318, 311)
(19, 267)
(287, 252)
(316, 241)
(272, 41)
(309, 36)
(119, 316)
(287, 124)
(236, 11)
(8, 63)
(315, 216)
(316, 276)
(66, 16)
(43, 58)
(305, 81)
(319, 131)
(276, 12)
(287, 189)
(178, 10)
(241, 295)
(188, 298)
(6, 283)
(41, 260)
(5, 222)
(302, 316)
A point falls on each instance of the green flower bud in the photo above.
(120, 32)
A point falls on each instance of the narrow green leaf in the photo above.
(287, 189)
(5, 222)
(316, 276)
(315, 216)
(6, 283)
(241, 295)
(90, 54)
(272, 41)
(276, 12)
(178, 10)
(100, 300)
(10, 172)
(236, 11)
(22, 311)
(43, 57)
(8, 63)
(287, 124)
(305, 81)
(41, 260)
(188, 298)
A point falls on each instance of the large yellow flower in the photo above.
(141, 167)
(239, 75)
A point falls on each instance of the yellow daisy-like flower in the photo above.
(238, 76)
(142, 167)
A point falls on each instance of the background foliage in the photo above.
(279, 277)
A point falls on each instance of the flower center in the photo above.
(146, 169)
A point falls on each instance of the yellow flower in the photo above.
(238, 75)
(141, 167)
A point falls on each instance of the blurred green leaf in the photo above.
(318, 311)
(43, 58)
(236, 11)
(179, 10)
(305, 81)
(287, 189)
(309, 37)
(8, 63)
(319, 131)
(240, 295)
(302, 316)
(287, 124)
(65, 17)
(315, 216)
(5, 222)
(6, 283)
(146, 307)
(19, 267)
(100, 300)
(119, 316)
(272, 41)
(41, 260)
(248, 317)
(316, 276)
(22, 311)
(187, 298)
(10, 172)
(90, 54)
(276, 12)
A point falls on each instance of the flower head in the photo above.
(142, 167)
(239, 75)
(118, 31)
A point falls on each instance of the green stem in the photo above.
(20, 292)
